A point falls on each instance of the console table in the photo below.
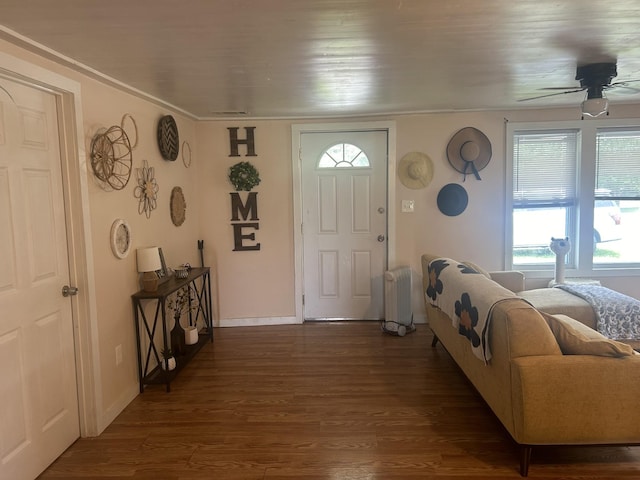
(147, 328)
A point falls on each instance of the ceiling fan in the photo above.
(595, 78)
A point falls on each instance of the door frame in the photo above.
(296, 131)
(78, 225)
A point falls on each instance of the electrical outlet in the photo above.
(118, 355)
(408, 206)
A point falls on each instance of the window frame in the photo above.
(580, 264)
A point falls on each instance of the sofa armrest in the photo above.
(511, 280)
(576, 399)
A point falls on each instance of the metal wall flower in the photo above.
(147, 189)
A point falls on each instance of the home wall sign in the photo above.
(249, 141)
(244, 177)
(240, 213)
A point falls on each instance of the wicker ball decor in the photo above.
(111, 158)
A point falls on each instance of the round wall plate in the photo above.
(120, 238)
(168, 138)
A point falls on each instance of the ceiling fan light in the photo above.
(595, 107)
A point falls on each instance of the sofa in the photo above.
(549, 379)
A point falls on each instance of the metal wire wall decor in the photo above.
(147, 190)
(186, 154)
(125, 117)
(111, 157)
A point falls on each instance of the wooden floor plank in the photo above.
(321, 401)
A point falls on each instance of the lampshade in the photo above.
(594, 107)
(148, 259)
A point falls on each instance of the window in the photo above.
(544, 192)
(343, 155)
(579, 180)
(616, 217)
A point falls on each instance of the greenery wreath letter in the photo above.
(244, 176)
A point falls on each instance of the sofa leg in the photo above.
(525, 458)
(434, 342)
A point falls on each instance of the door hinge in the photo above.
(303, 299)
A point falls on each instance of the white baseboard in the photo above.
(258, 321)
(116, 408)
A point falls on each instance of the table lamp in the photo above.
(148, 259)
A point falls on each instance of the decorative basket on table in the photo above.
(181, 272)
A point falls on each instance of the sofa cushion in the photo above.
(527, 332)
(555, 301)
(576, 338)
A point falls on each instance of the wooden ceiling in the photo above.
(328, 58)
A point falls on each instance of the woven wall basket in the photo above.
(168, 138)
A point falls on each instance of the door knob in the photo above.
(68, 291)
(381, 238)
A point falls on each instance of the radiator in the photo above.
(397, 301)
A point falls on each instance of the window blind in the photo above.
(544, 168)
(618, 164)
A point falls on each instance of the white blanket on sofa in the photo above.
(468, 298)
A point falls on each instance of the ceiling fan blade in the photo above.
(623, 86)
(572, 87)
(624, 82)
(551, 95)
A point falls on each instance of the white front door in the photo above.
(344, 214)
(39, 415)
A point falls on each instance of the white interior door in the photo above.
(344, 214)
(39, 415)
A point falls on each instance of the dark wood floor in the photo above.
(321, 401)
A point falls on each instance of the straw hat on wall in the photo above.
(415, 170)
(469, 151)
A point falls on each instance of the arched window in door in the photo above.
(343, 155)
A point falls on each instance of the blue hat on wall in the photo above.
(452, 199)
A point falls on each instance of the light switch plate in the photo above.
(407, 206)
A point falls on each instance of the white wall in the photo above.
(258, 287)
